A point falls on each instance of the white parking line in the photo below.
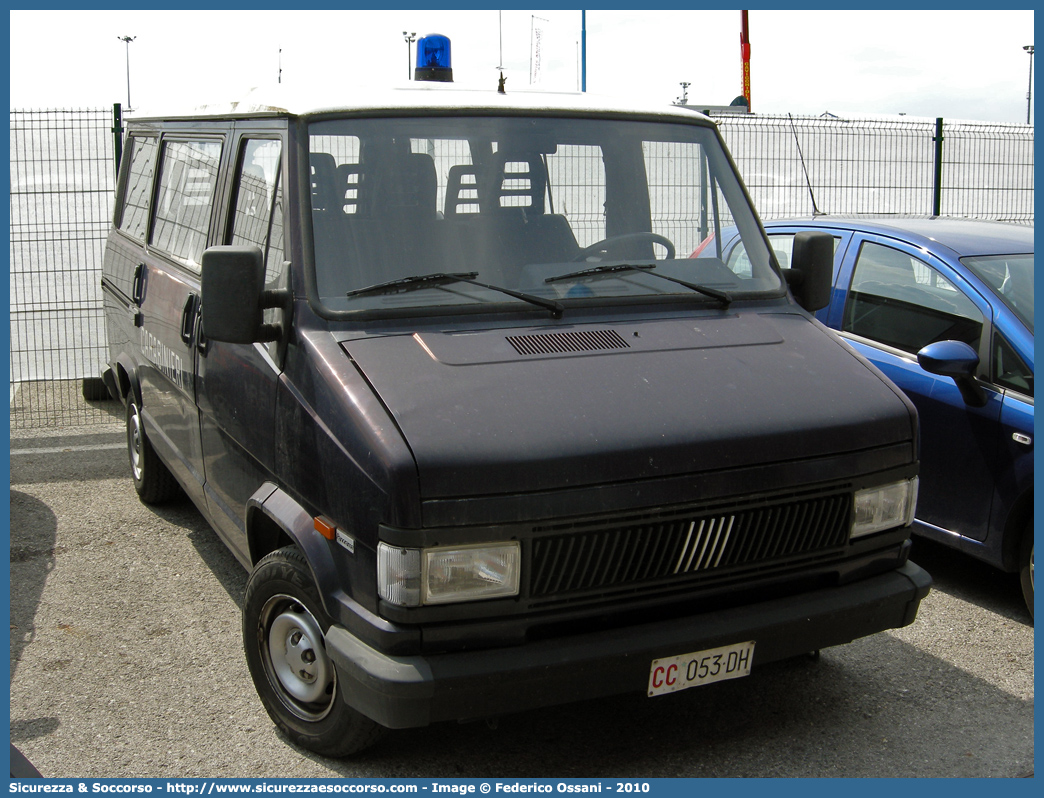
(61, 449)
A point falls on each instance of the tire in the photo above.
(283, 636)
(152, 479)
(1026, 567)
(94, 389)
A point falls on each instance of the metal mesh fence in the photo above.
(62, 187)
(797, 166)
(987, 171)
(867, 167)
(62, 180)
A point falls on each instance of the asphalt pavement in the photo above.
(126, 661)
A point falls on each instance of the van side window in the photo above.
(903, 302)
(276, 263)
(137, 194)
(252, 212)
(187, 180)
(257, 212)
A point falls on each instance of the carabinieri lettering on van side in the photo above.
(163, 357)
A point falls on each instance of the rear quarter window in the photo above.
(137, 192)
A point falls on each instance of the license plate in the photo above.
(671, 674)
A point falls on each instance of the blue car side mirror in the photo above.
(957, 360)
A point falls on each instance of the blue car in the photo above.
(944, 307)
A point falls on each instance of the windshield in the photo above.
(1011, 278)
(529, 204)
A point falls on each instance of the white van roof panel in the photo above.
(283, 100)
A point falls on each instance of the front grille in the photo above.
(696, 544)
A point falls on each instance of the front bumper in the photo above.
(405, 692)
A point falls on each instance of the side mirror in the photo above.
(959, 362)
(232, 281)
(811, 275)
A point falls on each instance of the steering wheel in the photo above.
(606, 244)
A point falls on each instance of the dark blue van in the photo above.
(435, 365)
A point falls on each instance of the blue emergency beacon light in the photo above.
(433, 59)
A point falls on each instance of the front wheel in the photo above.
(284, 629)
(1026, 567)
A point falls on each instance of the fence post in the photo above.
(937, 192)
(117, 136)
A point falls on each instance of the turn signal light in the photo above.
(325, 527)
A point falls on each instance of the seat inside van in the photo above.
(502, 222)
(381, 218)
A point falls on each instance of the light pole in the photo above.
(410, 38)
(1029, 92)
(128, 40)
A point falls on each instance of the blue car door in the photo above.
(896, 299)
(1012, 372)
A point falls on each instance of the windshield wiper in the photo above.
(413, 283)
(714, 293)
(442, 278)
(722, 296)
(607, 268)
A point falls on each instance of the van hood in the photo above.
(508, 411)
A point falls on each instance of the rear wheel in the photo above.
(284, 629)
(152, 479)
(1026, 567)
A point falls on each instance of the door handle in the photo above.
(137, 295)
(188, 318)
(138, 286)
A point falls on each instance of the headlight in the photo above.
(884, 507)
(447, 574)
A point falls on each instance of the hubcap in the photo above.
(134, 442)
(298, 666)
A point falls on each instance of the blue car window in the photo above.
(1011, 279)
(901, 301)
(783, 246)
(1009, 371)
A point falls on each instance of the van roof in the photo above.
(282, 100)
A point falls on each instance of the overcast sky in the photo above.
(953, 64)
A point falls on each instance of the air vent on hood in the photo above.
(572, 341)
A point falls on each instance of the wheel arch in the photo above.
(275, 520)
(125, 373)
